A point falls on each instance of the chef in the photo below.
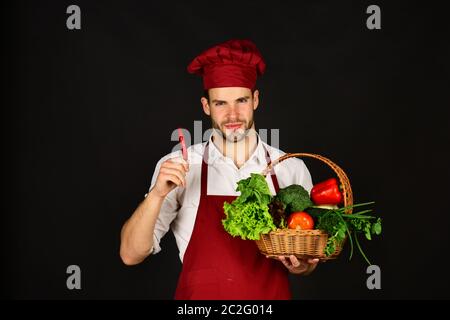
(187, 196)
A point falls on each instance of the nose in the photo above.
(233, 113)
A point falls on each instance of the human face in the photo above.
(231, 111)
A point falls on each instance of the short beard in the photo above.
(235, 136)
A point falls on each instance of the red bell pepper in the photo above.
(326, 192)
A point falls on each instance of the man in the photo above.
(188, 196)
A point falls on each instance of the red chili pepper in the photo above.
(326, 192)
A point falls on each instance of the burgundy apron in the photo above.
(217, 266)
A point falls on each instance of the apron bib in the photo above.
(217, 266)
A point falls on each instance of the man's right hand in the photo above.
(172, 174)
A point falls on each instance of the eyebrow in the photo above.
(215, 100)
(240, 98)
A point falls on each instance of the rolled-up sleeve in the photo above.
(168, 212)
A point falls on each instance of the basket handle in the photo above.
(345, 182)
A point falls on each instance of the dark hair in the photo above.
(206, 93)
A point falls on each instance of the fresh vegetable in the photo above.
(294, 198)
(337, 224)
(326, 206)
(255, 211)
(254, 188)
(316, 211)
(300, 220)
(248, 215)
(326, 192)
(279, 216)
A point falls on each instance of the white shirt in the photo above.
(179, 208)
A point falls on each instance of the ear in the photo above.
(255, 99)
(205, 105)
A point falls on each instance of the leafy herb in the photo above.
(295, 198)
(248, 215)
(332, 223)
(276, 209)
(337, 224)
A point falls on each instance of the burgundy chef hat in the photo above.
(234, 63)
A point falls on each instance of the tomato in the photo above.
(302, 220)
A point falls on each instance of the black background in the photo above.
(86, 114)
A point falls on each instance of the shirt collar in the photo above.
(258, 156)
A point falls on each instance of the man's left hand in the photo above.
(299, 266)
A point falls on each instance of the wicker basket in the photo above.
(303, 243)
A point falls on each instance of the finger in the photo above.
(285, 261)
(312, 265)
(175, 165)
(181, 161)
(172, 178)
(294, 261)
(177, 173)
(174, 170)
(179, 166)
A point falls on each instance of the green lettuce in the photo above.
(248, 215)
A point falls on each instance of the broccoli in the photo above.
(295, 198)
